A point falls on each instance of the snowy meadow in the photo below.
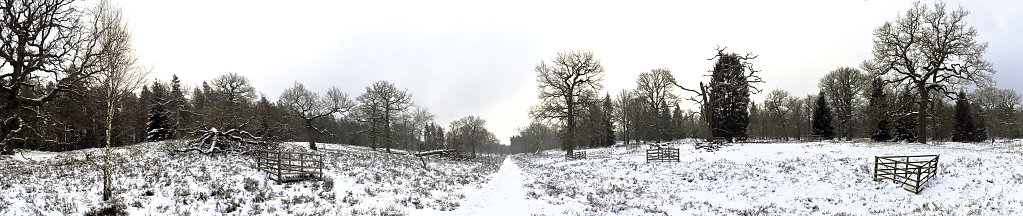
(150, 180)
(830, 178)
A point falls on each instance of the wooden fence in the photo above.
(910, 171)
(577, 155)
(662, 154)
(708, 146)
(283, 166)
(815, 138)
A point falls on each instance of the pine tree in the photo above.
(158, 125)
(608, 125)
(906, 121)
(964, 127)
(677, 122)
(729, 96)
(664, 123)
(980, 134)
(878, 111)
(176, 107)
(822, 119)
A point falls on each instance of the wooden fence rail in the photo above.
(283, 166)
(577, 155)
(662, 154)
(910, 171)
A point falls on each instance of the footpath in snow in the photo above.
(504, 194)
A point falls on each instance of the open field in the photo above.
(148, 180)
(791, 178)
(779, 178)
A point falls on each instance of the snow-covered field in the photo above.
(150, 181)
(744, 179)
(793, 178)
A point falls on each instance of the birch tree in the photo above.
(120, 69)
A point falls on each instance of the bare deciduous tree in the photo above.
(930, 50)
(655, 90)
(120, 70)
(999, 106)
(841, 87)
(380, 104)
(40, 42)
(569, 76)
(469, 133)
(778, 111)
(309, 106)
(623, 108)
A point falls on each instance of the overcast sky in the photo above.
(461, 58)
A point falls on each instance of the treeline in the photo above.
(927, 80)
(383, 116)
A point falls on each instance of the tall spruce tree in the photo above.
(157, 127)
(176, 107)
(964, 127)
(822, 118)
(905, 119)
(878, 111)
(607, 122)
(729, 95)
(980, 134)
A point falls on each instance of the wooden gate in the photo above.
(284, 166)
(910, 171)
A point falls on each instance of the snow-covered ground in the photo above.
(781, 178)
(150, 181)
(504, 194)
(792, 178)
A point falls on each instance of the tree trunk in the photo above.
(387, 127)
(106, 164)
(311, 134)
(7, 127)
(921, 127)
(570, 143)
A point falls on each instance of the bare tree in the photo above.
(654, 88)
(623, 108)
(234, 88)
(778, 112)
(121, 71)
(842, 86)
(381, 103)
(40, 42)
(420, 118)
(470, 132)
(930, 50)
(309, 106)
(998, 106)
(569, 76)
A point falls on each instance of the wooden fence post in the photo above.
(279, 167)
(876, 160)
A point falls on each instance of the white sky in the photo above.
(462, 58)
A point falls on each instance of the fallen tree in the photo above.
(233, 141)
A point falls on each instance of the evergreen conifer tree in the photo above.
(822, 119)
(964, 127)
(728, 98)
(906, 121)
(878, 111)
(157, 127)
(980, 122)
